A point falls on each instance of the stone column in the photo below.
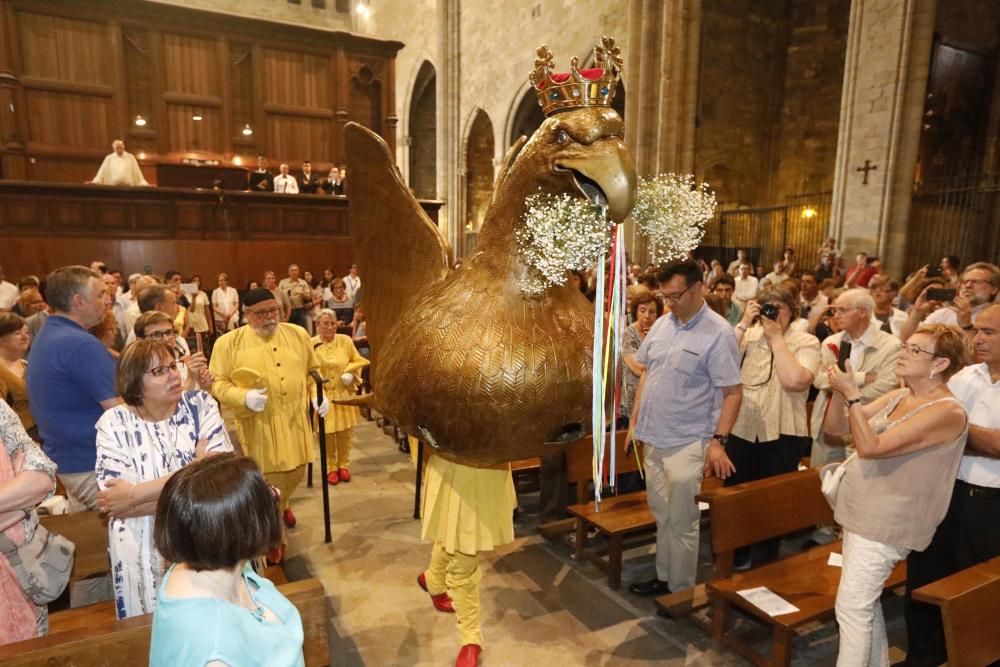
(448, 122)
(885, 80)
(661, 81)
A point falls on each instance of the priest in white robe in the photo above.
(119, 168)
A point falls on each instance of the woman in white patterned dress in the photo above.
(159, 430)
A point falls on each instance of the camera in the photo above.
(769, 310)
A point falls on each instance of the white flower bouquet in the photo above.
(671, 211)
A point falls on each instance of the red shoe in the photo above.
(332, 478)
(289, 518)
(345, 475)
(442, 601)
(276, 555)
(468, 656)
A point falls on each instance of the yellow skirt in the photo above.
(467, 509)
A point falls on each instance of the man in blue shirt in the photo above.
(685, 405)
(71, 380)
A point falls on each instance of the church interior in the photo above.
(859, 137)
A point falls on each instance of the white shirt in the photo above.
(353, 284)
(120, 170)
(981, 397)
(285, 184)
(8, 295)
(858, 346)
(745, 289)
(947, 315)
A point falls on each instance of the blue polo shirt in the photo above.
(69, 373)
(686, 367)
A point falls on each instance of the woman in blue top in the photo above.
(212, 518)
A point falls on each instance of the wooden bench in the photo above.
(970, 606)
(89, 532)
(91, 636)
(617, 517)
(747, 513)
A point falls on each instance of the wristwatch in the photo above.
(851, 401)
(723, 439)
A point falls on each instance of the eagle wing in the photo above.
(399, 250)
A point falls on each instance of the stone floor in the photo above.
(538, 604)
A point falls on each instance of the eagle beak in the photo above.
(605, 176)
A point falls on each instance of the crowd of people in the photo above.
(115, 389)
(740, 376)
(121, 168)
(142, 396)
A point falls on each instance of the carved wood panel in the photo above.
(69, 119)
(296, 79)
(299, 139)
(65, 49)
(190, 65)
(189, 135)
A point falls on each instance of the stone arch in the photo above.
(422, 136)
(477, 158)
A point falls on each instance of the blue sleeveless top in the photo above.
(194, 631)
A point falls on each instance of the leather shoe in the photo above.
(276, 555)
(651, 587)
(344, 474)
(289, 518)
(442, 601)
(468, 656)
(332, 478)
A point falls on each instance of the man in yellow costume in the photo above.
(465, 510)
(262, 373)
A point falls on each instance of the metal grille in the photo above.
(801, 224)
(955, 216)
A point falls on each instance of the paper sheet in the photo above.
(769, 603)
(835, 560)
(702, 507)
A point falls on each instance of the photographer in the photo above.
(979, 286)
(778, 366)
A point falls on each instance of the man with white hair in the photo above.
(262, 373)
(873, 357)
(119, 168)
(283, 182)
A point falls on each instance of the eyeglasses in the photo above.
(675, 297)
(270, 312)
(913, 350)
(974, 281)
(160, 335)
(838, 310)
(160, 371)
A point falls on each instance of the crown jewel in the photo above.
(590, 87)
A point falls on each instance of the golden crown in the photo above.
(591, 87)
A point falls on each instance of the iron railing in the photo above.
(800, 223)
(959, 215)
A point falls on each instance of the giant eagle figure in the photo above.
(462, 358)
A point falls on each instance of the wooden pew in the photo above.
(747, 513)
(617, 517)
(89, 532)
(91, 636)
(970, 606)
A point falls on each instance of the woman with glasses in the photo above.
(193, 368)
(342, 364)
(897, 488)
(158, 430)
(778, 365)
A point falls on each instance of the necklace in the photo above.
(256, 610)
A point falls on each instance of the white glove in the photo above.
(322, 408)
(256, 399)
(347, 379)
